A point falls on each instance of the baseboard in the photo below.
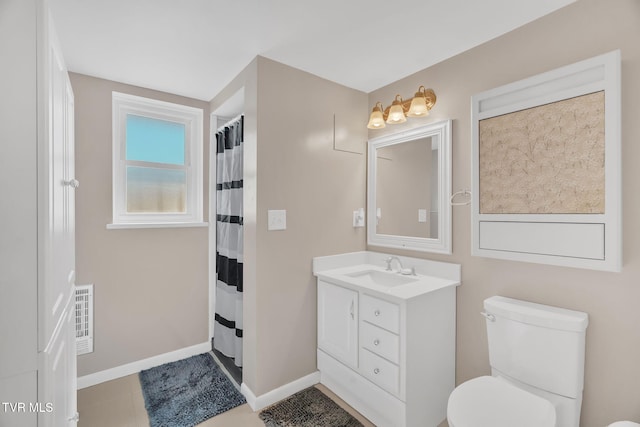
(225, 371)
(273, 396)
(135, 367)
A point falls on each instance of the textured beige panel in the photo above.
(546, 159)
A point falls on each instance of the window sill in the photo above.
(157, 225)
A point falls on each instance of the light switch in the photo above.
(422, 215)
(277, 219)
(358, 218)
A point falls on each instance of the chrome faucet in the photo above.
(401, 269)
(390, 260)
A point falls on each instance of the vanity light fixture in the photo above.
(399, 110)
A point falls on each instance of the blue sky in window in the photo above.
(153, 140)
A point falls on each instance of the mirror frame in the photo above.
(442, 244)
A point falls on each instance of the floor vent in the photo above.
(84, 319)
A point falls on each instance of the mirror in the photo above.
(408, 184)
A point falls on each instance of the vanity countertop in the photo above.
(366, 271)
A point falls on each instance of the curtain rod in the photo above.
(230, 122)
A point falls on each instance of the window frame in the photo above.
(192, 118)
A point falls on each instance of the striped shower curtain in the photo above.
(227, 332)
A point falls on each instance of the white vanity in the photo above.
(386, 340)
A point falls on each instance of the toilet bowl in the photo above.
(489, 401)
(536, 353)
(624, 424)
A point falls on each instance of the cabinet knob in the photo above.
(376, 313)
(376, 371)
(376, 342)
(75, 417)
(73, 183)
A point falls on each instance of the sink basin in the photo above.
(381, 278)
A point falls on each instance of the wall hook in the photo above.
(461, 192)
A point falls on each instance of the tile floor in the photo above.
(119, 403)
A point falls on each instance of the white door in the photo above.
(56, 238)
(57, 193)
(57, 401)
(338, 322)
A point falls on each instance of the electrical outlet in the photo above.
(422, 215)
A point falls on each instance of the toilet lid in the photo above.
(491, 402)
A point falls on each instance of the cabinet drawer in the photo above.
(380, 371)
(381, 313)
(380, 341)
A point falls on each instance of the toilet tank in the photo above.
(536, 344)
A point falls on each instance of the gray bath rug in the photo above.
(187, 392)
(308, 408)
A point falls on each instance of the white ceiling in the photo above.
(195, 47)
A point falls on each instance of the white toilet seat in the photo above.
(492, 402)
(624, 424)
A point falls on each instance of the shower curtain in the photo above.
(227, 332)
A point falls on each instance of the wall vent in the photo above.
(84, 319)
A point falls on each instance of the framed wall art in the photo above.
(547, 167)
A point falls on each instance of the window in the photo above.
(157, 163)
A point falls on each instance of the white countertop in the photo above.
(349, 270)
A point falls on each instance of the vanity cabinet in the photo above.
(337, 322)
(380, 343)
(391, 358)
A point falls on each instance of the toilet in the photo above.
(536, 353)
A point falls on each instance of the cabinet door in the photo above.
(338, 322)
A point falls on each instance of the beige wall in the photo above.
(579, 31)
(150, 284)
(247, 80)
(290, 164)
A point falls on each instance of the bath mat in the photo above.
(308, 408)
(187, 392)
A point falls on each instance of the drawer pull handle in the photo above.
(376, 371)
(376, 313)
(376, 342)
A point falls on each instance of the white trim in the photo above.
(441, 244)
(258, 402)
(135, 367)
(213, 168)
(192, 119)
(157, 225)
